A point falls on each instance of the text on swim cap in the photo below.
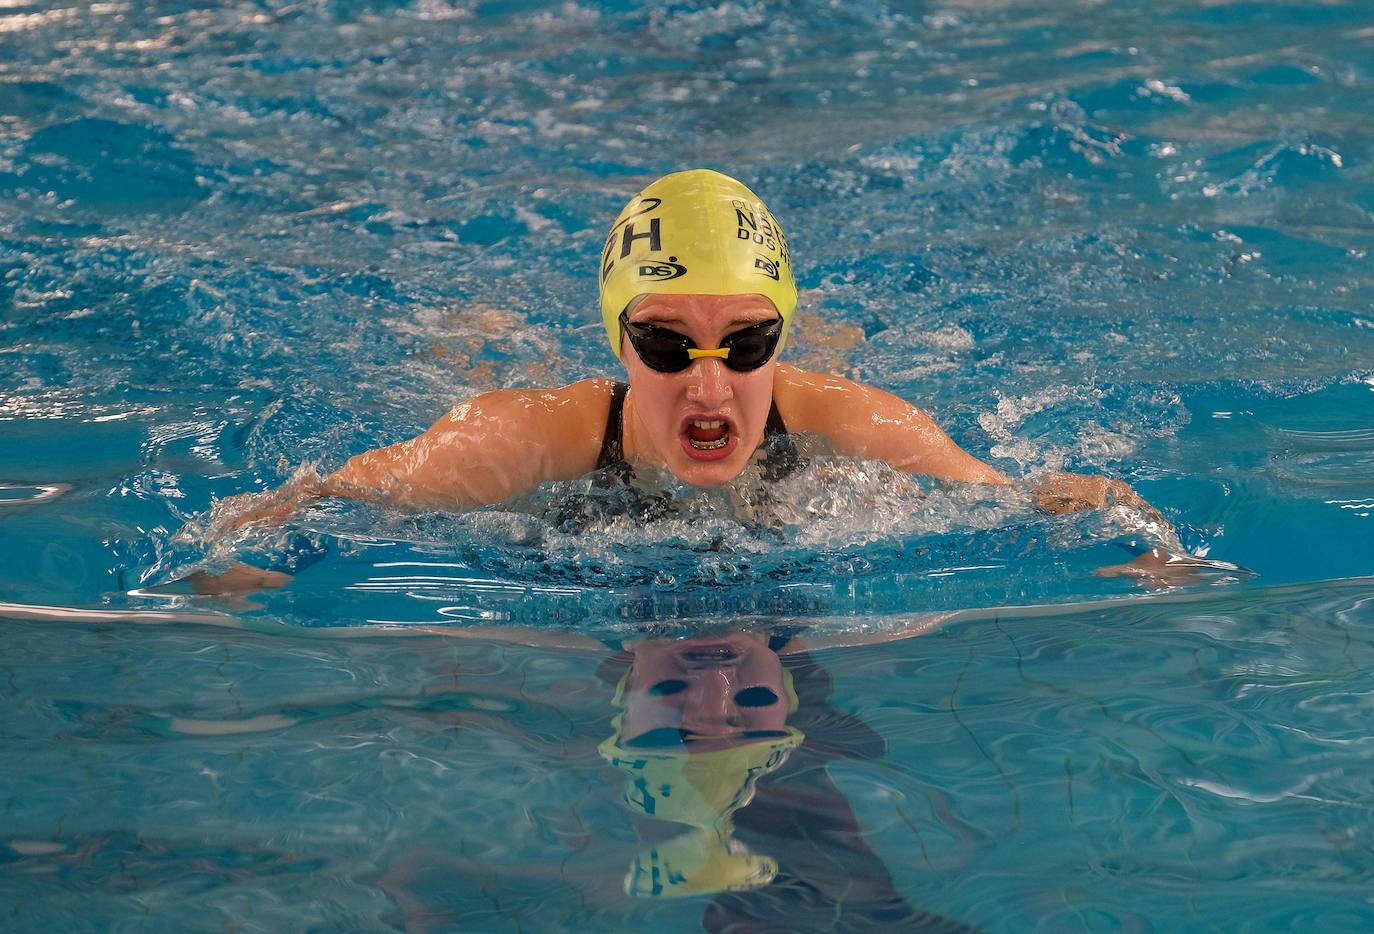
(608, 261)
(653, 235)
(760, 228)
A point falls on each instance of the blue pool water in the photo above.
(242, 240)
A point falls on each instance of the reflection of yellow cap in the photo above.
(700, 862)
(702, 790)
(695, 233)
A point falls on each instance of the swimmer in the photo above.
(697, 297)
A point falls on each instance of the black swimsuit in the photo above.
(781, 458)
(613, 491)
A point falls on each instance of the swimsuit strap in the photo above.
(774, 425)
(781, 457)
(778, 638)
(612, 446)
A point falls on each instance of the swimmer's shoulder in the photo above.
(864, 421)
(567, 422)
(820, 402)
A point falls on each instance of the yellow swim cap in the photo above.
(695, 233)
(699, 862)
(702, 790)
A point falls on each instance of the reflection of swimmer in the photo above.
(701, 721)
(727, 735)
(828, 878)
(697, 296)
(720, 745)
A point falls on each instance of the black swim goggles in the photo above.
(668, 351)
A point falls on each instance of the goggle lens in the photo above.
(667, 351)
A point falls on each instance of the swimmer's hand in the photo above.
(267, 508)
(1060, 493)
(272, 507)
(1161, 569)
(239, 580)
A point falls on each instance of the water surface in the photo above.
(1129, 239)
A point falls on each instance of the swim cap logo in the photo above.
(766, 267)
(663, 271)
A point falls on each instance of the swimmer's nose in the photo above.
(710, 382)
(713, 710)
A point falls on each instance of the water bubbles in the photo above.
(838, 537)
(1171, 91)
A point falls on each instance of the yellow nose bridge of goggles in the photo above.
(695, 354)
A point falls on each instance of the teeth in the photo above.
(708, 445)
(707, 425)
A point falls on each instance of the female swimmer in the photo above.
(697, 296)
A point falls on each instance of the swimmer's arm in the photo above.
(866, 422)
(494, 447)
(863, 421)
(817, 640)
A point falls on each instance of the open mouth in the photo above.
(707, 434)
(710, 655)
(708, 437)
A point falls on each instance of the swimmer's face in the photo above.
(705, 422)
(706, 692)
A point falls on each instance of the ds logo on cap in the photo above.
(664, 271)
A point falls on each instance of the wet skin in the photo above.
(702, 424)
(664, 411)
(709, 690)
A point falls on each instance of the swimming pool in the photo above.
(1125, 238)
